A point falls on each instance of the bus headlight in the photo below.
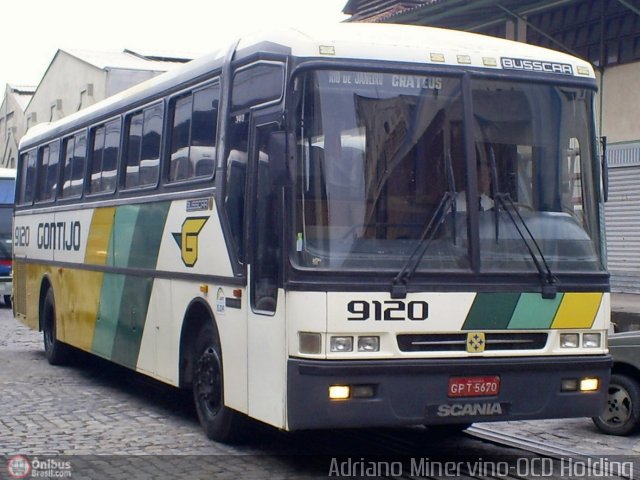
(368, 344)
(591, 340)
(569, 340)
(341, 344)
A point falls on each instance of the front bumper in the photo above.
(410, 392)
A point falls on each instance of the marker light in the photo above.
(363, 391)
(310, 343)
(589, 384)
(569, 385)
(591, 340)
(569, 340)
(339, 392)
(341, 344)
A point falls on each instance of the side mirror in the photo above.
(605, 168)
(280, 157)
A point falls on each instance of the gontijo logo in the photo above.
(187, 239)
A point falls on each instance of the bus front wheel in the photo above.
(219, 422)
(57, 353)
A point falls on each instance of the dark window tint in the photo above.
(104, 157)
(74, 149)
(193, 135)
(48, 172)
(132, 162)
(6, 238)
(27, 177)
(143, 147)
(180, 168)
(150, 150)
(257, 84)
(236, 178)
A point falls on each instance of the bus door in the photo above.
(266, 313)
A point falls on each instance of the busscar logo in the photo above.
(187, 239)
(541, 66)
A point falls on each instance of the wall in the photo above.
(60, 92)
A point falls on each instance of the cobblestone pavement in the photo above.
(99, 415)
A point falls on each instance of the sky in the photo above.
(33, 30)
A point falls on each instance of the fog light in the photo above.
(589, 384)
(368, 344)
(339, 392)
(310, 343)
(363, 391)
(569, 385)
(341, 344)
(569, 340)
(591, 340)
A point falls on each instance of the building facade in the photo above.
(12, 122)
(74, 80)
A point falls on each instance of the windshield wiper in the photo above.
(549, 280)
(549, 288)
(400, 281)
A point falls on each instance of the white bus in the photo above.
(280, 227)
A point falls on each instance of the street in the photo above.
(102, 416)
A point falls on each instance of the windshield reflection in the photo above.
(377, 153)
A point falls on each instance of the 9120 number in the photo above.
(389, 310)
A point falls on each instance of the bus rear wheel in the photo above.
(57, 353)
(219, 422)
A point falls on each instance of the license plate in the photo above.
(474, 386)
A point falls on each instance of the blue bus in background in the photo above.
(7, 193)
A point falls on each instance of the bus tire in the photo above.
(621, 416)
(7, 301)
(57, 353)
(219, 422)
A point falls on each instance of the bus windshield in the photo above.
(386, 161)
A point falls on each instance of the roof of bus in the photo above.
(393, 42)
(412, 43)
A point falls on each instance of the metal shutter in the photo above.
(622, 215)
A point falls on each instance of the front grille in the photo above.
(457, 342)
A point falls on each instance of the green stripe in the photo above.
(534, 312)
(123, 232)
(491, 311)
(145, 239)
(136, 239)
(108, 314)
(132, 316)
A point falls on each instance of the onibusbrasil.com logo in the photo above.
(19, 466)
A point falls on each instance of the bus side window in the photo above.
(75, 152)
(194, 120)
(28, 177)
(142, 161)
(48, 173)
(104, 157)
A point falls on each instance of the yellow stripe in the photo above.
(99, 236)
(78, 295)
(577, 310)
